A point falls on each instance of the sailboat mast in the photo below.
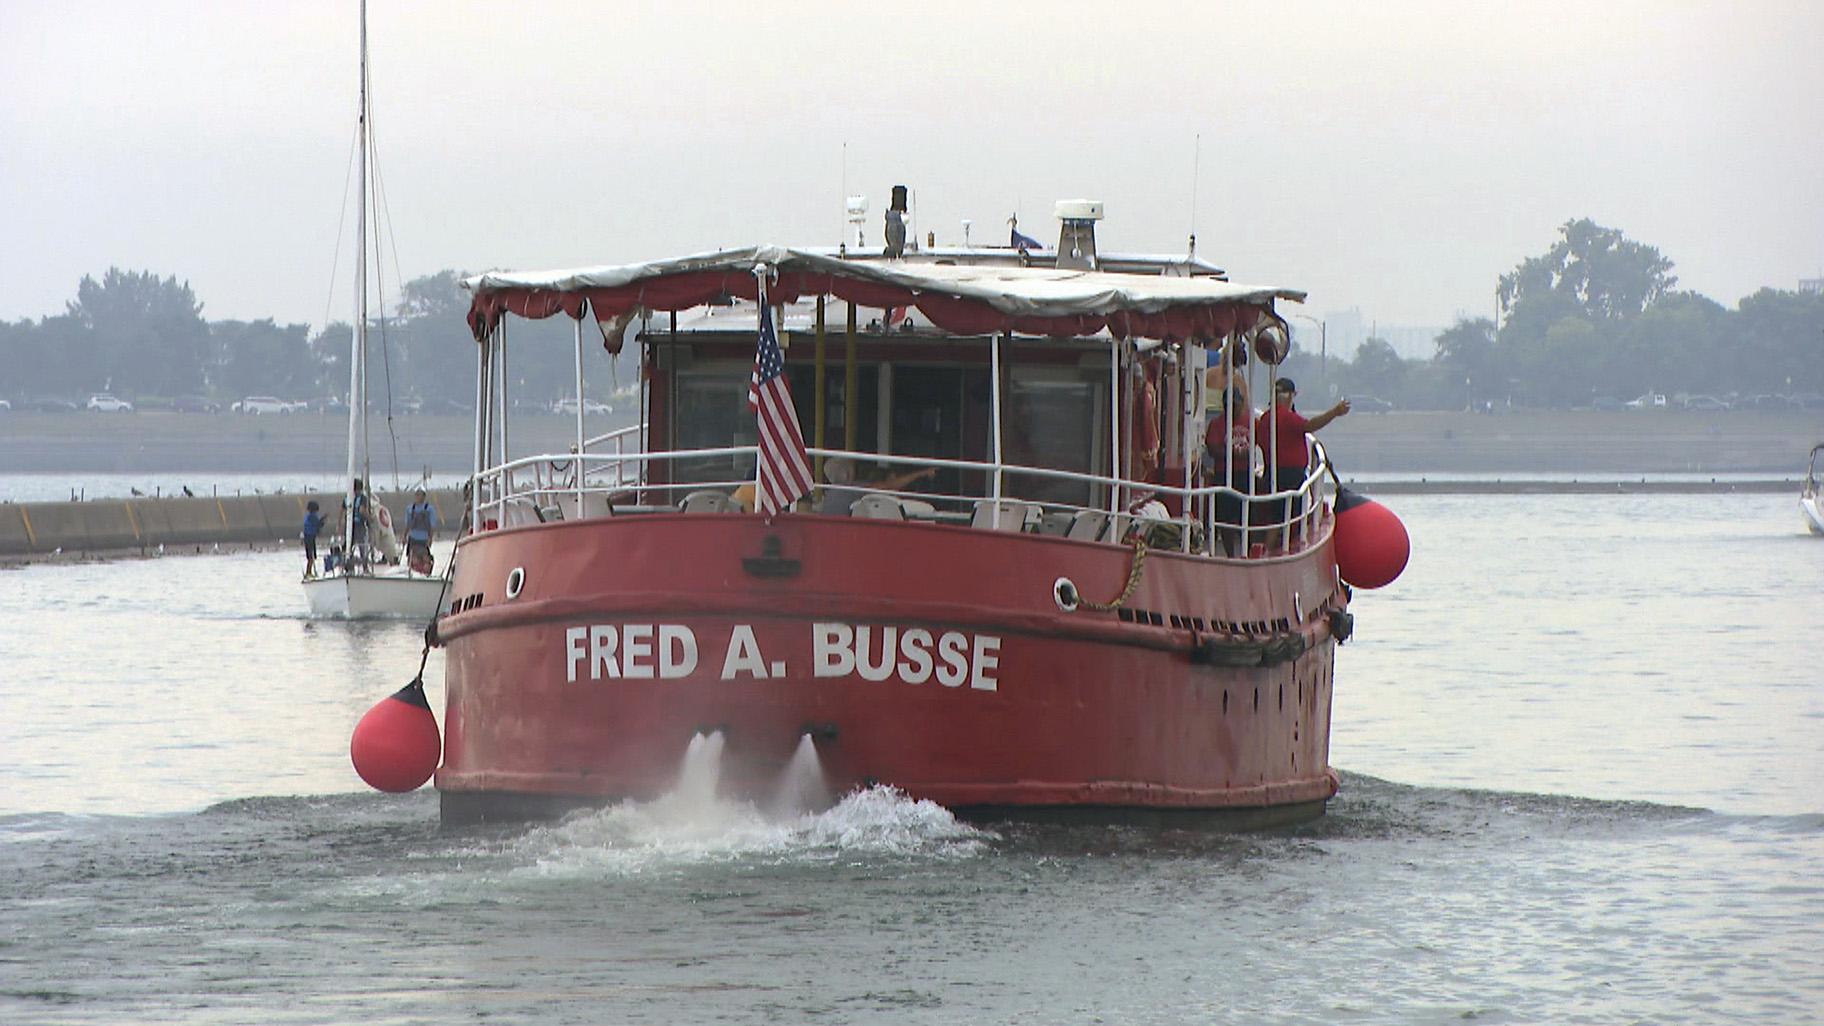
(357, 369)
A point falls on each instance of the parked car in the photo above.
(102, 402)
(260, 405)
(1607, 403)
(1650, 401)
(50, 404)
(1705, 402)
(1369, 404)
(195, 404)
(568, 406)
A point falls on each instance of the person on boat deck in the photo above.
(1290, 456)
(313, 523)
(1225, 379)
(1228, 440)
(843, 489)
(420, 527)
(357, 527)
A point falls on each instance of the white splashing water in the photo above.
(801, 788)
(692, 825)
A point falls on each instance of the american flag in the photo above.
(785, 470)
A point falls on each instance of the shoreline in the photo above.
(1773, 444)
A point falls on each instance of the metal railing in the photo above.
(620, 480)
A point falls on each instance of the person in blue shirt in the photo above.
(420, 527)
(313, 523)
(357, 555)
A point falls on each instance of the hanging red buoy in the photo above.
(1371, 543)
(396, 746)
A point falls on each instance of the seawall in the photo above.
(148, 525)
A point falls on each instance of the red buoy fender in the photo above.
(1371, 544)
(396, 746)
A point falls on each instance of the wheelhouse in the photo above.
(1045, 399)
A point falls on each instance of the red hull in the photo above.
(589, 684)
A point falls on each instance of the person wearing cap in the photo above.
(1282, 430)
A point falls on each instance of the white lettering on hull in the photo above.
(869, 652)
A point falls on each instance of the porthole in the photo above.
(516, 581)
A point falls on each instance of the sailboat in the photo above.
(1811, 497)
(369, 583)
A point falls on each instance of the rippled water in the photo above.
(1581, 742)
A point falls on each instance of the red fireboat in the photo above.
(1017, 589)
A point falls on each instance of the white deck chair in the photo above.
(1087, 525)
(877, 506)
(595, 504)
(710, 501)
(1014, 515)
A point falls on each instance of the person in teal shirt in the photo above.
(313, 523)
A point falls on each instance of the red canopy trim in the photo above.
(957, 314)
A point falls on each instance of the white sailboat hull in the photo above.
(1813, 505)
(374, 597)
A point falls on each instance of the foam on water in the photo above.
(693, 824)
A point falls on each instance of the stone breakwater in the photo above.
(147, 526)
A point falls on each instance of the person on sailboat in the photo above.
(358, 555)
(420, 526)
(313, 523)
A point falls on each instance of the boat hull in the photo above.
(1813, 508)
(934, 659)
(374, 597)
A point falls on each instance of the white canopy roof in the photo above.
(1014, 290)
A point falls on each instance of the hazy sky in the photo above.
(1393, 156)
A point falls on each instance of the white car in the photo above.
(589, 406)
(104, 403)
(259, 405)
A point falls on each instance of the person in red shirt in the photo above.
(1281, 432)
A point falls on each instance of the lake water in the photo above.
(1583, 753)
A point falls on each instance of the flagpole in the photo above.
(759, 327)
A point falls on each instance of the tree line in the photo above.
(144, 337)
(1598, 314)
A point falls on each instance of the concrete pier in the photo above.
(140, 525)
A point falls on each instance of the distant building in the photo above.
(1348, 329)
(1813, 285)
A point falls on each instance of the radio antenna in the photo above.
(1196, 154)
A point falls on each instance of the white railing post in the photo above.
(994, 392)
(576, 464)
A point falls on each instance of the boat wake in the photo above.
(687, 828)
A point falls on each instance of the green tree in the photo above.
(1600, 271)
(1378, 369)
(1468, 354)
(1777, 339)
(146, 334)
(261, 357)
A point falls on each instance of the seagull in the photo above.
(188, 492)
(136, 491)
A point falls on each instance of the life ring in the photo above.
(385, 540)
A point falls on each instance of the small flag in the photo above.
(1023, 241)
(784, 470)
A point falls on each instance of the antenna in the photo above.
(845, 181)
(1196, 155)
